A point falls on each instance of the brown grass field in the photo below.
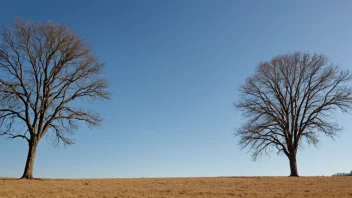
(180, 187)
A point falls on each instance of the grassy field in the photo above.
(181, 187)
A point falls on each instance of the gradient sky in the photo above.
(174, 69)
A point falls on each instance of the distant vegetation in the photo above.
(342, 174)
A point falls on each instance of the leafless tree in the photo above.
(291, 100)
(45, 69)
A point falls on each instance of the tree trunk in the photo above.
(293, 166)
(28, 170)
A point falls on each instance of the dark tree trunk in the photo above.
(293, 166)
(28, 170)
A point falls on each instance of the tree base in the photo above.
(294, 176)
(27, 177)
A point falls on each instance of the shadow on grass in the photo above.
(9, 179)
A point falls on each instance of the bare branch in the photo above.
(44, 68)
(290, 98)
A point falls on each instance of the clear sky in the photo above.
(174, 69)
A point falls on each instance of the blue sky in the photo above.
(174, 69)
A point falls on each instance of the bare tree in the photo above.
(45, 68)
(291, 100)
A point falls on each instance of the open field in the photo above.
(180, 187)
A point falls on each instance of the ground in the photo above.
(180, 187)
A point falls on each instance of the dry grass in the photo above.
(181, 187)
